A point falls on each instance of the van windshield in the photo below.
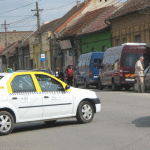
(130, 59)
(97, 63)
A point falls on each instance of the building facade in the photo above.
(13, 37)
(131, 23)
(96, 42)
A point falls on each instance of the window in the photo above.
(87, 63)
(130, 59)
(124, 40)
(83, 63)
(49, 84)
(92, 49)
(26, 60)
(138, 38)
(104, 48)
(23, 83)
(118, 42)
(105, 0)
(97, 63)
(20, 63)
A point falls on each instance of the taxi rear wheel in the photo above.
(85, 112)
(6, 123)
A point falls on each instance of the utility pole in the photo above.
(6, 44)
(38, 26)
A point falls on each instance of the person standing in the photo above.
(69, 75)
(57, 73)
(50, 71)
(139, 74)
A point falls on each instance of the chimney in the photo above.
(78, 3)
(85, 1)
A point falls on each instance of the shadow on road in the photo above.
(41, 125)
(142, 122)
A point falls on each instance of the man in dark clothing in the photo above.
(61, 76)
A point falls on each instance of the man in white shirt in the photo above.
(139, 74)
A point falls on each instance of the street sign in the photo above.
(60, 55)
(72, 52)
(43, 57)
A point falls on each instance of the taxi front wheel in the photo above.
(6, 123)
(85, 112)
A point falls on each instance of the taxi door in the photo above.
(25, 98)
(56, 102)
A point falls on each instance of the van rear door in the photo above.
(130, 56)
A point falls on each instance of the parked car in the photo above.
(35, 96)
(88, 69)
(146, 80)
(118, 65)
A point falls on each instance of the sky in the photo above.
(19, 17)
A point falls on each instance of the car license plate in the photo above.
(129, 79)
(95, 76)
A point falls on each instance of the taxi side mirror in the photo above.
(67, 87)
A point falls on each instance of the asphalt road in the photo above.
(123, 124)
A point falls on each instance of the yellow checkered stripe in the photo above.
(129, 75)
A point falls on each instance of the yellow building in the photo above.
(35, 50)
(131, 23)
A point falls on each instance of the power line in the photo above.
(16, 16)
(19, 7)
(21, 20)
(61, 6)
(22, 26)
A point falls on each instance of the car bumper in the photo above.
(98, 107)
(97, 103)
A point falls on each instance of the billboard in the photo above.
(65, 44)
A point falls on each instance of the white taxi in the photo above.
(35, 96)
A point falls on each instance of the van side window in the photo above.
(80, 64)
(116, 65)
(83, 63)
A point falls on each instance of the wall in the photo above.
(35, 52)
(96, 42)
(13, 36)
(129, 26)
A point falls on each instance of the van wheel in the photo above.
(86, 85)
(100, 86)
(6, 123)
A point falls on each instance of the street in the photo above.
(123, 124)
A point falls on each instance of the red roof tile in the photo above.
(85, 21)
(129, 7)
(10, 48)
(99, 23)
